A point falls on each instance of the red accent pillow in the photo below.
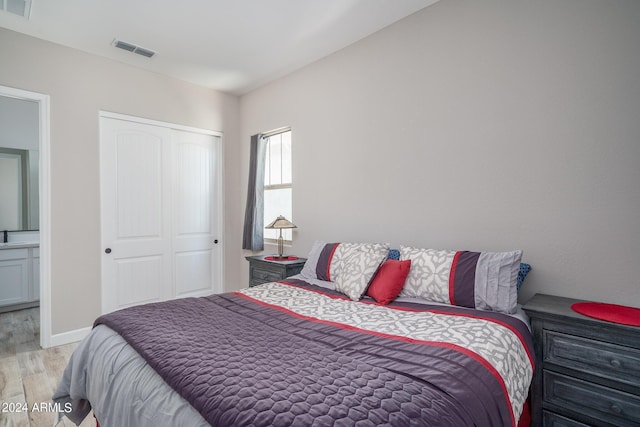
(389, 280)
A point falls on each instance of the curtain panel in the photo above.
(253, 235)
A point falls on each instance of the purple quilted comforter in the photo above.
(284, 354)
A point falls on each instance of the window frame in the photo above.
(267, 187)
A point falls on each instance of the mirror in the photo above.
(19, 160)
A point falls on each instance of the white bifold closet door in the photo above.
(160, 207)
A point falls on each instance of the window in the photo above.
(278, 183)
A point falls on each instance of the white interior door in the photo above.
(161, 207)
(136, 215)
(195, 213)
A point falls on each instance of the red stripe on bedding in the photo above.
(450, 346)
(435, 311)
(488, 319)
(452, 278)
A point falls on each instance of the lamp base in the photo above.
(280, 245)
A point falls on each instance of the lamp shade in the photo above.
(281, 222)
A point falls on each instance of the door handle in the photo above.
(215, 241)
(107, 251)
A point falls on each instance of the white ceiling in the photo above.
(229, 45)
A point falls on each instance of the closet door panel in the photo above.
(137, 279)
(195, 220)
(139, 181)
(136, 214)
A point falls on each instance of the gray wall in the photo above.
(80, 85)
(487, 125)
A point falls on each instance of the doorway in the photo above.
(43, 205)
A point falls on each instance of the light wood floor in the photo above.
(28, 374)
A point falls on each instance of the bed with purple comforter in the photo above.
(294, 354)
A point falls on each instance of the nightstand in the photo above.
(587, 370)
(262, 270)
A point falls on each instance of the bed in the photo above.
(309, 351)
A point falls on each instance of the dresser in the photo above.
(587, 370)
(262, 270)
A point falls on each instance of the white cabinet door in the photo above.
(160, 208)
(14, 276)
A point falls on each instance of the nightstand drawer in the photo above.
(602, 403)
(265, 275)
(593, 357)
(263, 269)
(554, 420)
(253, 283)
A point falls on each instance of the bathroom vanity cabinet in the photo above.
(19, 276)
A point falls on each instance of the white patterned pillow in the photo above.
(343, 254)
(355, 267)
(482, 280)
(326, 259)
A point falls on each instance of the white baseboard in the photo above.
(69, 337)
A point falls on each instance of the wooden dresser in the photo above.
(587, 370)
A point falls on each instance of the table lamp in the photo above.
(280, 223)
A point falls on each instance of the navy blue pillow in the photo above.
(524, 270)
(394, 254)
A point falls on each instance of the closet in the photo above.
(160, 211)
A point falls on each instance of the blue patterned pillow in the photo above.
(394, 254)
(524, 270)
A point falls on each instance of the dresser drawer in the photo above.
(263, 275)
(593, 357)
(549, 419)
(602, 403)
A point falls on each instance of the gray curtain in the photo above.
(253, 237)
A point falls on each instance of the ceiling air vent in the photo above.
(133, 48)
(17, 7)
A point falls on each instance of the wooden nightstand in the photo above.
(263, 271)
(587, 370)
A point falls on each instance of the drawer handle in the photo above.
(615, 363)
(617, 409)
